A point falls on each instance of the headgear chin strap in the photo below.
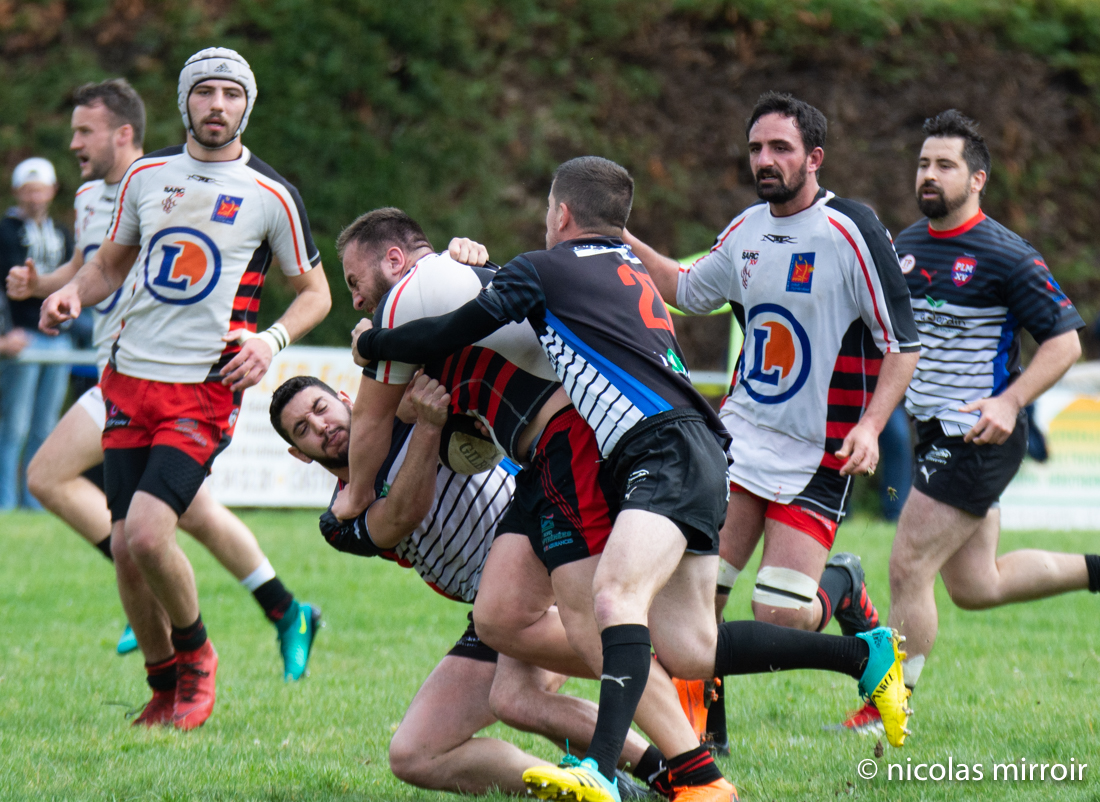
(216, 63)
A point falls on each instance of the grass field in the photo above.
(1019, 682)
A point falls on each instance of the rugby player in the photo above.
(592, 305)
(973, 284)
(442, 525)
(830, 346)
(66, 474)
(203, 222)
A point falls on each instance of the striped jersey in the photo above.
(449, 548)
(609, 338)
(503, 380)
(208, 232)
(821, 298)
(973, 288)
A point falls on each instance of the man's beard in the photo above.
(333, 463)
(780, 193)
(216, 141)
(939, 207)
(99, 165)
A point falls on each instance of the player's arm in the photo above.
(998, 413)
(664, 270)
(24, 282)
(311, 303)
(860, 447)
(429, 338)
(95, 281)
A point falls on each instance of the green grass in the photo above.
(1016, 682)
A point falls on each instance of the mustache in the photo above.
(932, 186)
(215, 118)
(768, 172)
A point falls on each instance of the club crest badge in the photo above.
(963, 270)
(226, 208)
(801, 275)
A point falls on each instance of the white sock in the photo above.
(262, 574)
(911, 668)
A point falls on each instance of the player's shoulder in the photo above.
(87, 186)
(258, 165)
(914, 234)
(1001, 241)
(151, 162)
(855, 213)
(743, 222)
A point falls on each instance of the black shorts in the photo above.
(673, 465)
(564, 502)
(963, 475)
(164, 472)
(470, 645)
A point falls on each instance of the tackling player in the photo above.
(974, 284)
(829, 348)
(203, 222)
(65, 474)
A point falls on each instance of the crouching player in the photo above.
(441, 524)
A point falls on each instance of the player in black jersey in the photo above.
(610, 340)
(973, 285)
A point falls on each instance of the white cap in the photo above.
(33, 169)
(216, 63)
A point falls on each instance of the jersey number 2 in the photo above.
(630, 277)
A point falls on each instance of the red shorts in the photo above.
(811, 523)
(197, 419)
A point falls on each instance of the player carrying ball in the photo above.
(203, 220)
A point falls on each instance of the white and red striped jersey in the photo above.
(208, 232)
(820, 297)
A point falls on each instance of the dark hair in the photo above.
(285, 393)
(597, 191)
(953, 123)
(380, 228)
(811, 123)
(120, 99)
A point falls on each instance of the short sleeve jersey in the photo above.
(449, 547)
(973, 288)
(820, 297)
(609, 338)
(503, 380)
(208, 232)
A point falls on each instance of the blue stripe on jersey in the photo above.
(1004, 345)
(647, 401)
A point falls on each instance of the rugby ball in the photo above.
(464, 449)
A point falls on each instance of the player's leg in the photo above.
(787, 583)
(236, 548)
(978, 579)
(19, 381)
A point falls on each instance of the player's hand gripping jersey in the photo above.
(821, 298)
(208, 232)
(972, 290)
(449, 547)
(503, 379)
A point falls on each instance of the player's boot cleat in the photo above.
(855, 612)
(717, 791)
(157, 711)
(695, 698)
(126, 642)
(883, 684)
(865, 721)
(630, 789)
(195, 687)
(296, 633)
(573, 780)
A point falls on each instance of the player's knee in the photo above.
(39, 480)
(408, 760)
(145, 543)
(492, 625)
(907, 572)
(514, 708)
(784, 597)
(969, 595)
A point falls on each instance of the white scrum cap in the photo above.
(217, 63)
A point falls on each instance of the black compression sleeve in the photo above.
(429, 338)
(344, 535)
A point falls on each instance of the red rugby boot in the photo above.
(195, 687)
(158, 710)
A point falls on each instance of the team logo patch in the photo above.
(182, 266)
(225, 210)
(775, 359)
(963, 270)
(750, 259)
(190, 427)
(175, 194)
(908, 262)
(801, 275)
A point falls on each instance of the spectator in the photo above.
(12, 340)
(32, 393)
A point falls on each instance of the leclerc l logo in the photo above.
(775, 362)
(182, 266)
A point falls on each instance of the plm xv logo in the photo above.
(775, 360)
(182, 266)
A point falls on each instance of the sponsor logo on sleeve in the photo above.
(801, 274)
(226, 208)
(963, 270)
(908, 262)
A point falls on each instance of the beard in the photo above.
(940, 206)
(333, 463)
(214, 140)
(779, 193)
(98, 165)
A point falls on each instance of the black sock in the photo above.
(1092, 563)
(190, 638)
(649, 765)
(696, 767)
(626, 656)
(274, 599)
(716, 716)
(161, 676)
(753, 647)
(834, 585)
(105, 547)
